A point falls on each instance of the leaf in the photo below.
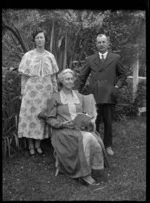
(12, 102)
(4, 147)
(16, 121)
(65, 52)
(60, 41)
(52, 37)
(16, 139)
(5, 133)
(8, 144)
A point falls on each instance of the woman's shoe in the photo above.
(87, 182)
(31, 152)
(95, 184)
(40, 152)
(91, 184)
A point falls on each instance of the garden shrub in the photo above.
(141, 94)
(10, 107)
(125, 105)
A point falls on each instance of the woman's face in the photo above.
(40, 40)
(68, 81)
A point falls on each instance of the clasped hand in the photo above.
(68, 124)
(86, 125)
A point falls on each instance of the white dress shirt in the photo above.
(105, 54)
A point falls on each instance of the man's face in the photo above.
(102, 44)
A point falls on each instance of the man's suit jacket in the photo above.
(104, 76)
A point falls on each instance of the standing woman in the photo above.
(38, 70)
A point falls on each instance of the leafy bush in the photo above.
(141, 94)
(10, 109)
(125, 106)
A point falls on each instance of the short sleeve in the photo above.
(24, 65)
(55, 68)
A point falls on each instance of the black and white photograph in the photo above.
(74, 104)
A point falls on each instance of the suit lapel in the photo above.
(107, 61)
(97, 61)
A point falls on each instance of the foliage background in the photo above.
(71, 38)
(77, 30)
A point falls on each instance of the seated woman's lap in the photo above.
(92, 149)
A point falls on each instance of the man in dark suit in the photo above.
(107, 75)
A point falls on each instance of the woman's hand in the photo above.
(86, 123)
(68, 124)
(87, 126)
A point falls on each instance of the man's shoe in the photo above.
(109, 151)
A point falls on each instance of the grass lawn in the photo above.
(29, 179)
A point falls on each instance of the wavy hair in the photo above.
(38, 30)
(60, 77)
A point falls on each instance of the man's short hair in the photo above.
(103, 35)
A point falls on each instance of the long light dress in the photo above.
(37, 86)
(78, 151)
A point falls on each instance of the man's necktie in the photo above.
(102, 57)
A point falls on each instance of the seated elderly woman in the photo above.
(78, 151)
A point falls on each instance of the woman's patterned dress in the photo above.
(38, 83)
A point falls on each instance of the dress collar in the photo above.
(64, 99)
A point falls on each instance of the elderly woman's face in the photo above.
(40, 39)
(68, 81)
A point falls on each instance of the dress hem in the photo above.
(34, 138)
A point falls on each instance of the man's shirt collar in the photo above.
(105, 54)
